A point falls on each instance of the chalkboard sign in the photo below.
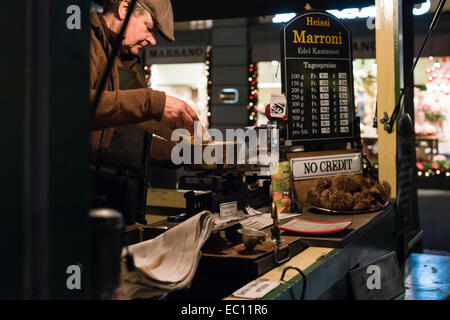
(318, 78)
(405, 174)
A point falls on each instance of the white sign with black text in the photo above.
(277, 106)
(228, 209)
(256, 289)
(316, 167)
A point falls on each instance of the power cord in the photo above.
(111, 57)
(302, 297)
(113, 53)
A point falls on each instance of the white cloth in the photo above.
(168, 262)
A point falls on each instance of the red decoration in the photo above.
(419, 166)
(285, 117)
(267, 112)
(435, 166)
(253, 93)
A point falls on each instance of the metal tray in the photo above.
(331, 211)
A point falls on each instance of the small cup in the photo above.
(251, 238)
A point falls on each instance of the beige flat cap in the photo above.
(161, 10)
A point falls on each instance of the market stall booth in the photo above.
(329, 213)
(227, 216)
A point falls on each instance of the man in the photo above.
(124, 107)
(120, 147)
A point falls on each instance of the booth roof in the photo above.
(206, 9)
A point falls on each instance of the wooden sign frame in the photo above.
(310, 119)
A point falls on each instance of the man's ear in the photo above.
(123, 9)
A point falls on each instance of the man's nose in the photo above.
(151, 39)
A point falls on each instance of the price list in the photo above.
(319, 104)
(319, 92)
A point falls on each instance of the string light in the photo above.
(433, 169)
(208, 73)
(252, 93)
(148, 75)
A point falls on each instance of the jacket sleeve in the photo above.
(127, 107)
(123, 106)
(156, 127)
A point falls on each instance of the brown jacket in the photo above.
(117, 107)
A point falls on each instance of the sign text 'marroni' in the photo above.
(316, 38)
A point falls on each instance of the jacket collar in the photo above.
(100, 32)
(102, 35)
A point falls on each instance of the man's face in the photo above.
(141, 31)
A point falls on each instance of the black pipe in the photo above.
(399, 107)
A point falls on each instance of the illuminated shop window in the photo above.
(186, 81)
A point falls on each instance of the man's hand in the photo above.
(178, 114)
